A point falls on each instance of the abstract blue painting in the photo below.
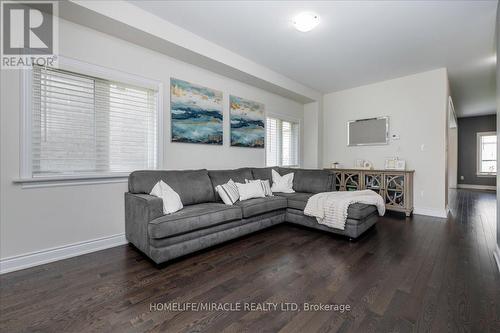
(247, 123)
(196, 113)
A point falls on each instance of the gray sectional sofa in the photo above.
(205, 220)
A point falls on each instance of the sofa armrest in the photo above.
(140, 209)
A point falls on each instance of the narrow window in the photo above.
(486, 154)
(282, 143)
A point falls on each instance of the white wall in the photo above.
(127, 21)
(452, 157)
(416, 105)
(496, 251)
(310, 151)
(42, 218)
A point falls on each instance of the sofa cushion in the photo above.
(285, 195)
(192, 218)
(310, 180)
(356, 211)
(250, 190)
(263, 174)
(313, 181)
(276, 216)
(299, 200)
(228, 192)
(359, 211)
(219, 177)
(171, 199)
(282, 183)
(193, 186)
(257, 206)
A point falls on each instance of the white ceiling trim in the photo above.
(356, 43)
(126, 21)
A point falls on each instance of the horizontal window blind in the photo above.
(272, 142)
(282, 145)
(87, 125)
(290, 144)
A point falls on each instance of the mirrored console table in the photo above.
(396, 187)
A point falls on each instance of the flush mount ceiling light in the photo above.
(305, 22)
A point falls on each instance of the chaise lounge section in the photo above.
(206, 221)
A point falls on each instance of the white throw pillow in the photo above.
(265, 186)
(228, 192)
(250, 190)
(171, 200)
(282, 184)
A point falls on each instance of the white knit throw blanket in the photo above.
(330, 208)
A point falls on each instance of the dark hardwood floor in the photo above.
(418, 274)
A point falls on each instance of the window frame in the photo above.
(479, 135)
(290, 119)
(25, 166)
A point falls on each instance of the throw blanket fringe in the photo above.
(330, 208)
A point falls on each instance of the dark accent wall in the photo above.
(467, 148)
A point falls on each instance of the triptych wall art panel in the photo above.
(247, 123)
(196, 113)
(196, 116)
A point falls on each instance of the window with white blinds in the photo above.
(84, 125)
(282, 143)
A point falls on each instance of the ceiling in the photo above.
(356, 42)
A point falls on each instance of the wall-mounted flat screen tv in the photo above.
(366, 132)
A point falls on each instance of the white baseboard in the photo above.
(441, 213)
(58, 253)
(477, 187)
(496, 254)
